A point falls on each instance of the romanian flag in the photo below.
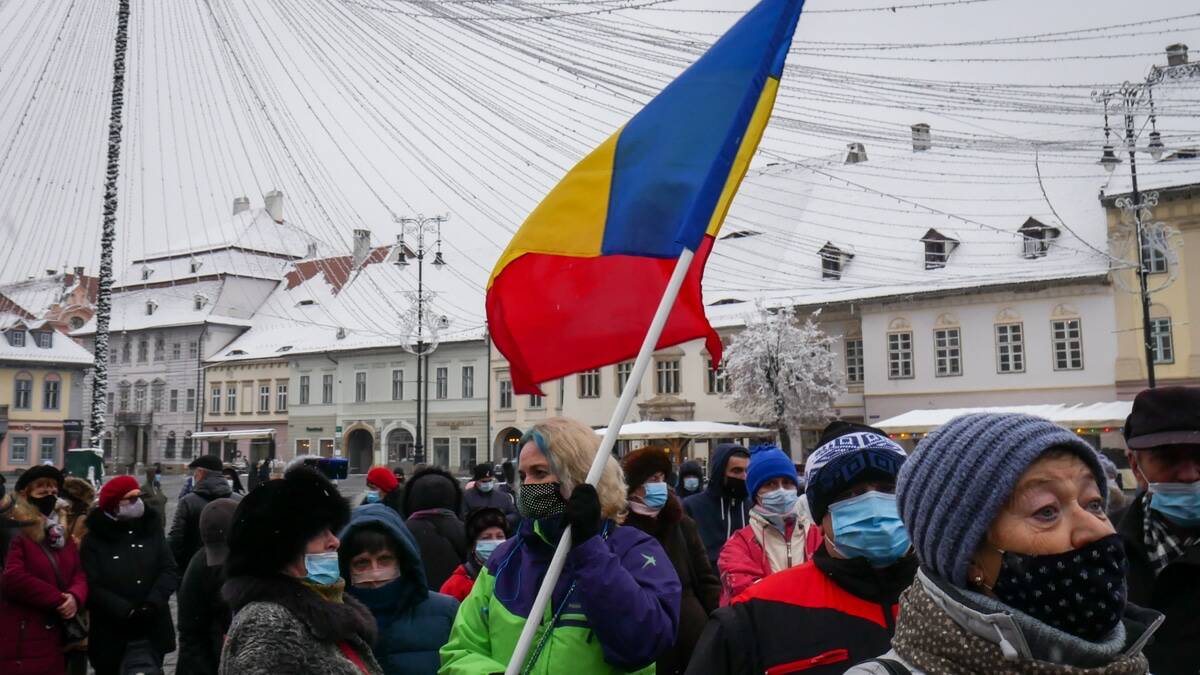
(578, 285)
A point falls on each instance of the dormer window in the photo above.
(44, 339)
(341, 333)
(306, 303)
(1037, 237)
(285, 348)
(198, 302)
(236, 352)
(938, 248)
(150, 307)
(833, 261)
(16, 337)
(146, 272)
(195, 266)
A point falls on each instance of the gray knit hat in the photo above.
(959, 478)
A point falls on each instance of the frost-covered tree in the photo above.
(783, 372)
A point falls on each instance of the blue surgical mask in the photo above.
(781, 501)
(484, 548)
(372, 497)
(1177, 502)
(869, 526)
(486, 485)
(691, 483)
(322, 568)
(656, 495)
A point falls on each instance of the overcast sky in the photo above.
(362, 110)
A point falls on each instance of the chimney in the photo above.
(311, 250)
(921, 138)
(1177, 54)
(362, 247)
(241, 204)
(273, 200)
(856, 152)
(79, 274)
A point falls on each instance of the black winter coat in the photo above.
(1175, 592)
(203, 617)
(701, 592)
(185, 530)
(442, 538)
(127, 564)
(475, 499)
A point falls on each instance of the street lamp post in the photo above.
(421, 323)
(1137, 207)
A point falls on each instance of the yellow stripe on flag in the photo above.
(754, 133)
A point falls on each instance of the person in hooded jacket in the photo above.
(781, 533)
(691, 480)
(839, 608)
(484, 494)
(208, 484)
(657, 512)
(292, 615)
(203, 615)
(43, 582)
(432, 501)
(487, 528)
(615, 608)
(380, 561)
(1021, 570)
(131, 576)
(79, 494)
(722, 508)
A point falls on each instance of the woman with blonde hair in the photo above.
(615, 609)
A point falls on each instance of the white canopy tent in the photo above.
(233, 435)
(1107, 416)
(690, 430)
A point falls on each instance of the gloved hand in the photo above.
(583, 513)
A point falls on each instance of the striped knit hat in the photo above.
(960, 477)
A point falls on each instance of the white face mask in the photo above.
(374, 577)
(127, 511)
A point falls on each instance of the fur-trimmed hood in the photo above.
(25, 512)
(79, 492)
(328, 621)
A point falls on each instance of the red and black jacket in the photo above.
(821, 617)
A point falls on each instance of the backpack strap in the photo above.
(892, 666)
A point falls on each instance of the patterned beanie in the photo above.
(852, 454)
(960, 477)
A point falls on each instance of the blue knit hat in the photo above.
(960, 477)
(767, 462)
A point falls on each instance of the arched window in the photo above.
(23, 392)
(51, 391)
(399, 444)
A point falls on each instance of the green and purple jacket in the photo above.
(621, 614)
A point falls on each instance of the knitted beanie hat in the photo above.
(849, 454)
(767, 462)
(383, 478)
(960, 477)
(114, 490)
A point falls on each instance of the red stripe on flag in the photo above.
(556, 315)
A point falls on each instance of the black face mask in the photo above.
(44, 504)
(1081, 592)
(735, 487)
(539, 500)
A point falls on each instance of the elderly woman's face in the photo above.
(533, 467)
(1056, 507)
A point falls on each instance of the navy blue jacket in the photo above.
(413, 621)
(717, 515)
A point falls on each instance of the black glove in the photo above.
(583, 513)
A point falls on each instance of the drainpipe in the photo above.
(487, 337)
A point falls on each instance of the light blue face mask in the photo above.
(486, 486)
(691, 483)
(485, 547)
(869, 526)
(781, 501)
(1177, 502)
(372, 497)
(656, 495)
(322, 568)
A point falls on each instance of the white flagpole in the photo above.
(610, 438)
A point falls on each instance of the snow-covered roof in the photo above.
(1177, 120)
(251, 230)
(369, 305)
(173, 306)
(1109, 414)
(691, 429)
(39, 294)
(62, 349)
(880, 210)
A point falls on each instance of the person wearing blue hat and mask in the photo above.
(657, 511)
(840, 607)
(778, 536)
(1161, 529)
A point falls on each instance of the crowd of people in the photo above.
(1001, 544)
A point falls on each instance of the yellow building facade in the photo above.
(246, 395)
